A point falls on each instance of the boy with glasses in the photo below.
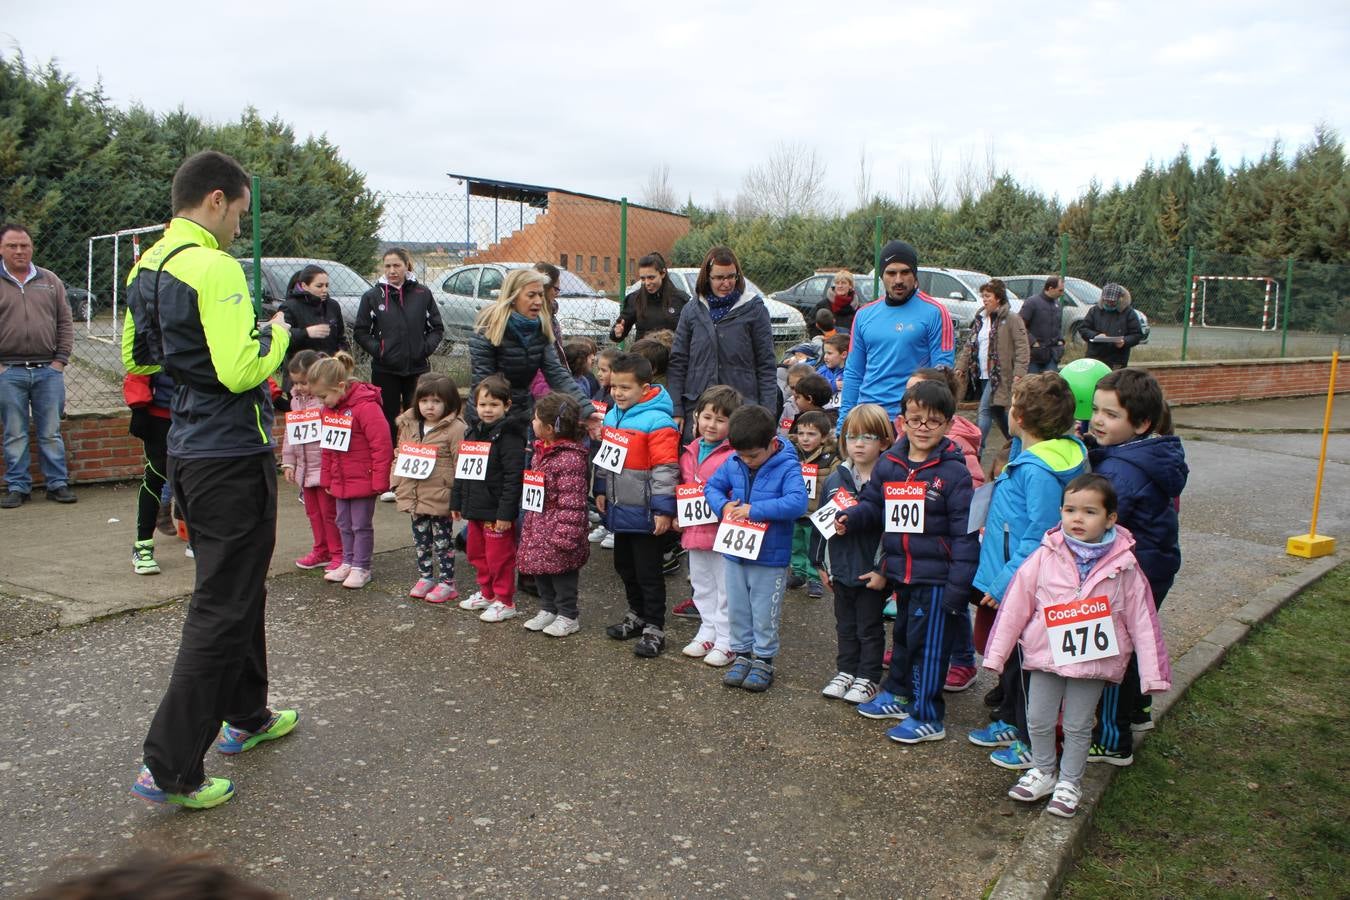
(920, 494)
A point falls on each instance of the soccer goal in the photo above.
(117, 240)
(1228, 313)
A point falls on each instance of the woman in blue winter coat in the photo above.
(724, 336)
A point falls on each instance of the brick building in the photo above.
(577, 232)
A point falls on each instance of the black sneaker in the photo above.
(652, 642)
(795, 582)
(670, 560)
(1099, 753)
(994, 699)
(629, 628)
(63, 494)
(13, 500)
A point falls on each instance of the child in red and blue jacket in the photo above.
(931, 567)
(638, 501)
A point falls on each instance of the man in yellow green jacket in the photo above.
(189, 313)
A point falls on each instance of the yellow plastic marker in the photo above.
(1312, 544)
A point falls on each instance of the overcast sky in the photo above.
(591, 96)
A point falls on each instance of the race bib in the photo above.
(337, 432)
(532, 496)
(691, 507)
(744, 538)
(785, 426)
(600, 407)
(904, 506)
(613, 451)
(415, 460)
(979, 507)
(809, 473)
(823, 518)
(473, 459)
(304, 427)
(1081, 631)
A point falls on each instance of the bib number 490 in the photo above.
(904, 506)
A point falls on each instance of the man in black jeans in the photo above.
(189, 313)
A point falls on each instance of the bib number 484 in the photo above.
(744, 538)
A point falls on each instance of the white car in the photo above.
(788, 324)
(465, 290)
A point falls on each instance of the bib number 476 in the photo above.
(1081, 631)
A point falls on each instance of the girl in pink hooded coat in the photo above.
(1086, 560)
(302, 465)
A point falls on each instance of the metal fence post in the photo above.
(1186, 299)
(1288, 301)
(623, 247)
(1063, 257)
(876, 258)
(257, 246)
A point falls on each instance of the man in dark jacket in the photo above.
(1042, 317)
(1111, 328)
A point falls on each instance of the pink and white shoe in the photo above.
(314, 559)
(442, 592)
(338, 574)
(356, 578)
(697, 649)
(421, 589)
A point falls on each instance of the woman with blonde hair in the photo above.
(842, 300)
(514, 337)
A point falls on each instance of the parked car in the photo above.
(344, 284)
(83, 304)
(956, 289)
(1079, 296)
(787, 321)
(465, 290)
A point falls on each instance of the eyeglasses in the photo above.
(731, 277)
(930, 424)
(862, 437)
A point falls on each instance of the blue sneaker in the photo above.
(1015, 756)
(759, 677)
(889, 610)
(235, 740)
(885, 705)
(912, 731)
(999, 734)
(740, 668)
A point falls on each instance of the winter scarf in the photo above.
(838, 304)
(718, 307)
(1085, 556)
(523, 327)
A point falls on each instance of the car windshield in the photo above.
(572, 286)
(1083, 291)
(342, 281)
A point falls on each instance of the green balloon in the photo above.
(1082, 376)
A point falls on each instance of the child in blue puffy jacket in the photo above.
(758, 493)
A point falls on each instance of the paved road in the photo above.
(439, 756)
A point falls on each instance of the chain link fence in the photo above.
(1199, 304)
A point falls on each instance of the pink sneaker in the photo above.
(357, 578)
(959, 678)
(339, 574)
(314, 559)
(442, 592)
(422, 588)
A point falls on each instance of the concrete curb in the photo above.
(1053, 844)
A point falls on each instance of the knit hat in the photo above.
(899, 251)
(1113, 294)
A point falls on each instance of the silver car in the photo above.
(788, 324)
(465, 290)
(956, 289)
(344, 284)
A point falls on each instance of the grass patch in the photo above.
(1244, 789)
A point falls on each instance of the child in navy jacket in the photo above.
(930, 562)
(761, 484)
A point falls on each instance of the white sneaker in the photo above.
(476, 600)
(608, 540)
(1033, 785)
(541, 620)
(339, 574)
(697, 649)
(861, 691)
(597, 534)
(562, 626)
(387, 497)
(717, 657)
(1064, 802)
(498, 612)
(594, 517)
(187, 551)
(838, 686)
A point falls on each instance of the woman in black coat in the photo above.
(315, 321)
(654, 306)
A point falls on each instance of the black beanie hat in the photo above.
(899, 251)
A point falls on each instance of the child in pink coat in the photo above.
(301, 464)
(700, 458)
(1066, 586)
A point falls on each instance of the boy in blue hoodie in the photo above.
(758, 493)
(637, 466)
(1148, 471)
(1042, 458)
(919, 494)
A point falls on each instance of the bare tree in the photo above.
(790, 182)
(658, 193)
(937, 179)
(862, 182)
(973, 178)
(905, 196)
